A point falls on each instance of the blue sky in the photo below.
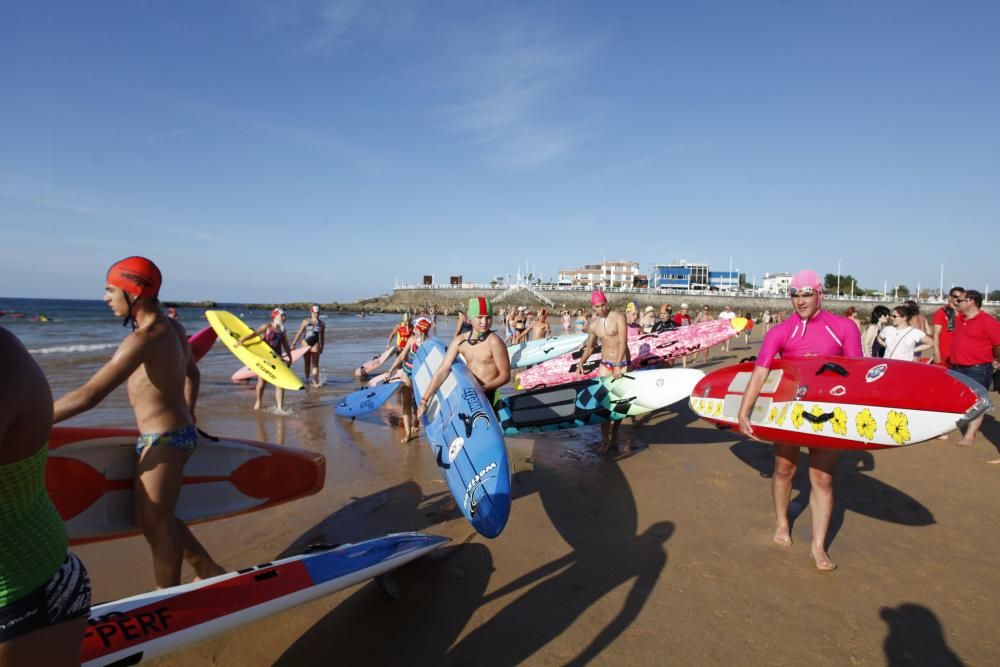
(318, 150)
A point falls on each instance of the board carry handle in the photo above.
(211, 438)
(817, 419)
(440, 461)
(836, 368)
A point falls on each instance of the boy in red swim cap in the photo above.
(156, 362)
(610, 330)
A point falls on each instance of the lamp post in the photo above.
(838, 276)
(941, 286)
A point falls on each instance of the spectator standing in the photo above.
(943, 324)
(975, 351)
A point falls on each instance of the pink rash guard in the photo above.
(822, 335)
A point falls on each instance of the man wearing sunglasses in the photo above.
(975, 351)
(944, 321)
(808, 331)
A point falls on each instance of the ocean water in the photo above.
(80, 336)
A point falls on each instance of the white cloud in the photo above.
(509, 84)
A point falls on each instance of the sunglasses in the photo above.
(804, 291)
(962, 300)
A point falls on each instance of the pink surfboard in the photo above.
(367, 368)
(645, 351)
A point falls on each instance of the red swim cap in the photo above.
(136, 275)
(423, 325)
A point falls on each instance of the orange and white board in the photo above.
(90, 474)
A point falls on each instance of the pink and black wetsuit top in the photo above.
(824, 334)
(273, 338)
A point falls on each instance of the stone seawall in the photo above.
(453, 298)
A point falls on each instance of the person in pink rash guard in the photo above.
(809, 331)
(823, 334)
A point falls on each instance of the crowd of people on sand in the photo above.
(958, 336)
(44, 588)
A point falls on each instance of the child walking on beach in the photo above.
(405, 360)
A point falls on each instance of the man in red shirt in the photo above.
(975, 350)
(944, 321)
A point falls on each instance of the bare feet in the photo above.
(256, 406)
(213, 572)
(782, 536)
(965, 443)
(993, 461)
(823, 561)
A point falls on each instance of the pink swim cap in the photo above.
(807, 278)
(597, 298)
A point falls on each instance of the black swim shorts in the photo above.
(64, 597)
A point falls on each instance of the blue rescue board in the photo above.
(466, 440)
(365, 400)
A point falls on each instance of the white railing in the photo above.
(536, 288)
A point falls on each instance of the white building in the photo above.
(604, 275)
(777, 283)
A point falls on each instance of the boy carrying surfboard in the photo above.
(483, 350)
(162, 377)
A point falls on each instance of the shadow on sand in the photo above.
(590, 505)
(916, 638)
(853, 490)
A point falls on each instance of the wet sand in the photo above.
(661, 556)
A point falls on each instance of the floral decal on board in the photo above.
(797, 411)
(782, 415)
(839, 421)
(865, 424)
(897, 425)
(817, 412)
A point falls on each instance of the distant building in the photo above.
(679, 275)
(777, 283)
(605, 275)
(724, 280)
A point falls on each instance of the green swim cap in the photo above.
(479, 306)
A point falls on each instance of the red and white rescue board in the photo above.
(843, 403)
(144, 627)
(90, 472)
(244, 374)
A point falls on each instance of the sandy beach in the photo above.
(659, 556)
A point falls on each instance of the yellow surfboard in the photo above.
(255, 353)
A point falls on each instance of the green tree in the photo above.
(903, 290)
(994, 295)
(846, 280)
